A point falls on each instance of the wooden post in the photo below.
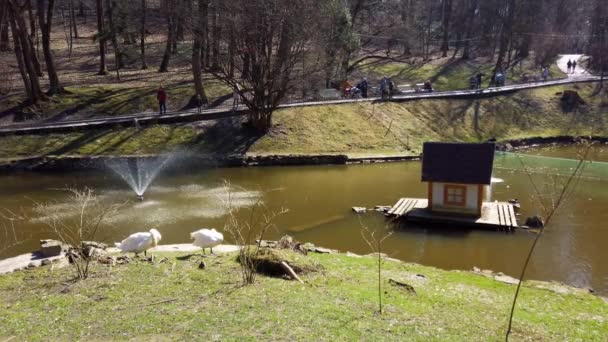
(479, 198)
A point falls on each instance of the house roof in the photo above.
(457, 162)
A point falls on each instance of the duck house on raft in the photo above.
(459, 178)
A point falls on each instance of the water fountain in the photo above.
(139, 172)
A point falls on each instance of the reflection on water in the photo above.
(319, 199)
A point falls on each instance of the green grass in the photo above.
(446, 73)
(87, 102)
(354, 129)
(338, 303)
(364, 128)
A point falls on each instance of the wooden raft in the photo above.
(495, 215)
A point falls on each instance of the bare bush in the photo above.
(78, 220)
(248, 233)
(8, 231)
(374, 240)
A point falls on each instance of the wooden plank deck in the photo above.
(405, 205)
(494, 215)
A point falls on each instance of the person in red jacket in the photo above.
(161, 96)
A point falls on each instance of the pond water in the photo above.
(319, 199)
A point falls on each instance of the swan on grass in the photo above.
(139, 242)
(207, 238)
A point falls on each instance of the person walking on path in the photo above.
(569, 66)
(545, 74)
(363, 87)
(161, 96)
(236, 98)
(573, 66)
(478, 79)
(383, 87)
(391, 88)
(199, 103)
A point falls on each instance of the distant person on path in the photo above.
(478, 79)
(346, 88)
(391, 88)
(235, 98)
(199, 103)
(573, 66)
(383, 86)
(161, 96)
(569, 65)
(363, 87)
(545, 74)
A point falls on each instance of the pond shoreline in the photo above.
(71, 163)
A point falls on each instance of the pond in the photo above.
(319, 199)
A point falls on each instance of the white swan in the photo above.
(140, 242)
(207, 238)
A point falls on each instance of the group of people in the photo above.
(386, 87)
(161, 97)
(571, 66)
(350, 91)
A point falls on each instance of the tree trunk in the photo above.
(215, 53)
(118, 63)
(164, 65)
(142, 32)
(101, 37)
(505, 34)
(447, 13)
(4, 27)
(19, 56)
(31, 37)
(23, 51)
(45, 27)
(73, 18)
(196, 50)
(427, 44)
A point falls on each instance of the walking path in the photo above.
(581, 75)
(579, 71)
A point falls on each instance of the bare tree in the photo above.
(101, 37)
(142, 33)
(272, 36)
(200, 32)
(374, 241)
(168, 9)
(45, 21)
(24, 52)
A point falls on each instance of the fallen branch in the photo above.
(409, 288)
(291, 272)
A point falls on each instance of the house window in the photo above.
(455, 195)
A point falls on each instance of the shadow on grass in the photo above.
(78, 143)
(226, 137)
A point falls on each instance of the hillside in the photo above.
(365, 128)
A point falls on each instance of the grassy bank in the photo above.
(176, 300)
(90, 102)
(355, 129)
